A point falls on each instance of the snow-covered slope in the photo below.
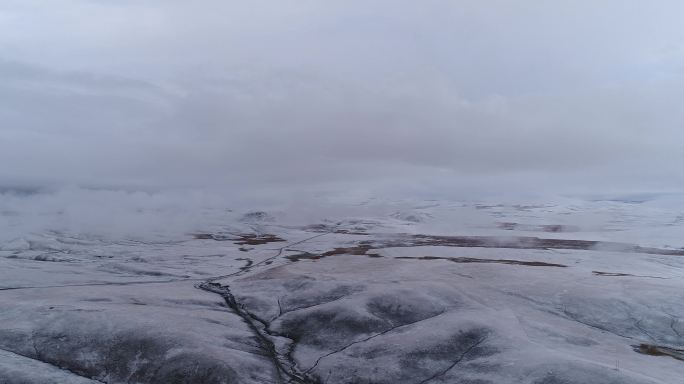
(575, 291)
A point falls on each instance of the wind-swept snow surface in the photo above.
(577, 292)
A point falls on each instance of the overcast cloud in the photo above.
(528, 95)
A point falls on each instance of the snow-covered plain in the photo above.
(574, 291)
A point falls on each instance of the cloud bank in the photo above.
(437, 95)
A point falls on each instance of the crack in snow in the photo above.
(368, 338)
(460, 358)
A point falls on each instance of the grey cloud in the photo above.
(580, 94)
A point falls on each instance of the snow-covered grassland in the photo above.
(185, 287)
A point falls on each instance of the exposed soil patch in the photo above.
(599, 273)
(360, 250)
(363, 248)
(614, 274)
(320, 228)
(251, 239)
(350, 232)
(241, 239)
(488, 261)
(494, 242)
(656, 350)
(523, 242)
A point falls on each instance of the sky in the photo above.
(461, 96)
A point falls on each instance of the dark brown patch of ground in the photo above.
(522, 242)
(656, 350)
(615, 274)
(251, 239)
(599, 273)
(360, 250)
(241, 239)
(321, 228)
(486, 261)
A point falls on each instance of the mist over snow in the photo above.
(155, 118)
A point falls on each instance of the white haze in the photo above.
(429, 99)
